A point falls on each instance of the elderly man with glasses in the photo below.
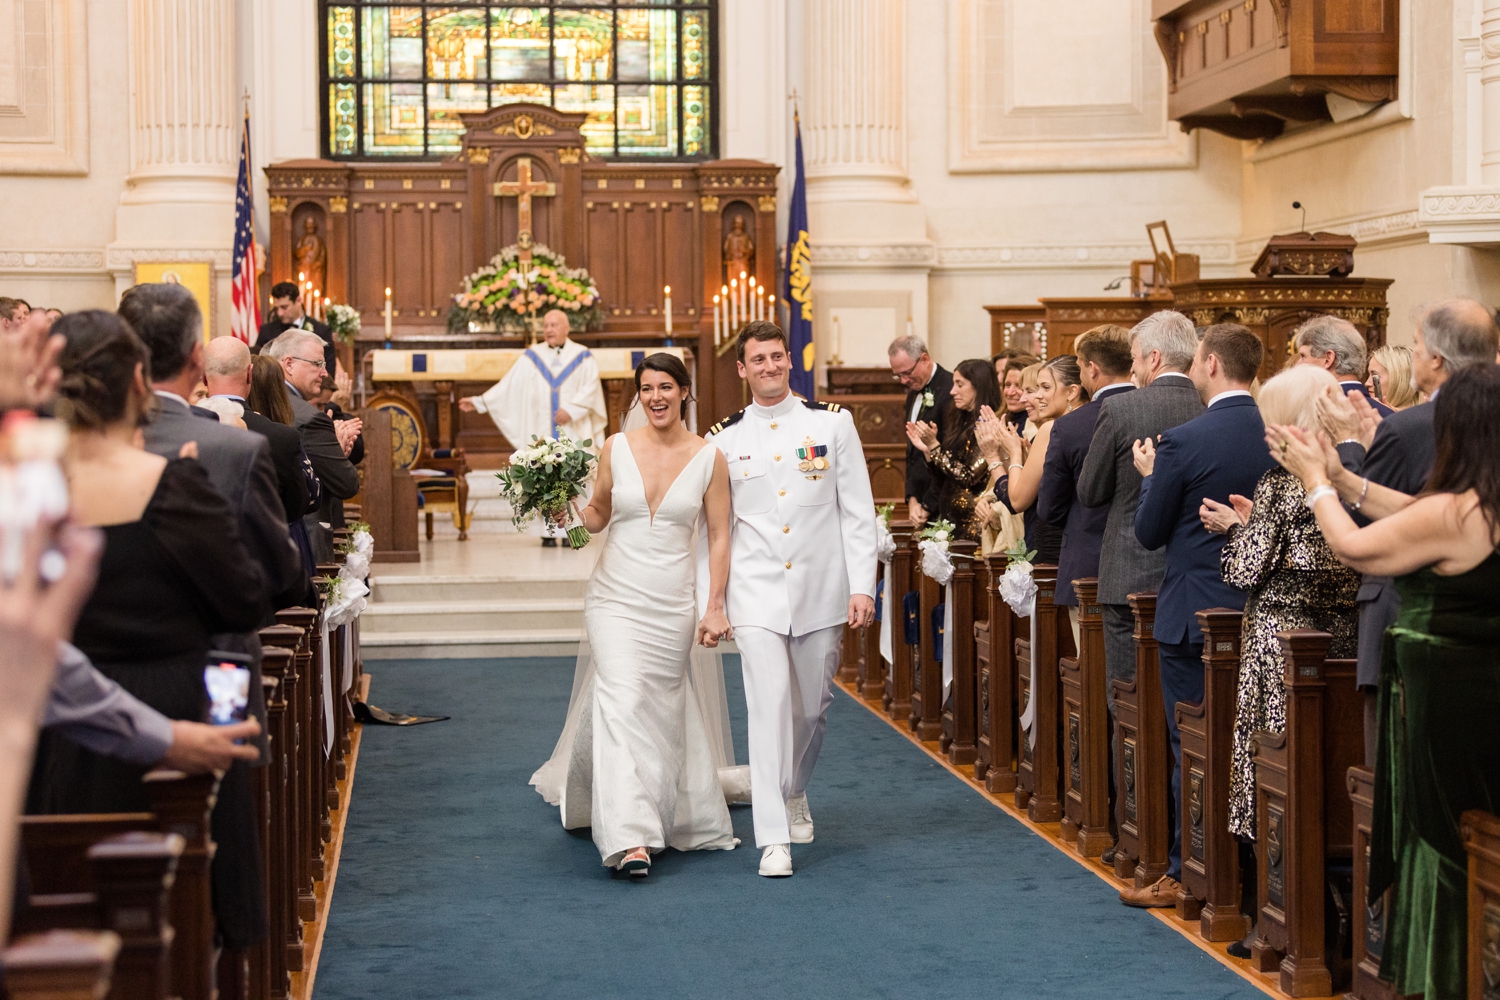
(928, 395)
(327, 444)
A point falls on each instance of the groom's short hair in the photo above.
(759, 330)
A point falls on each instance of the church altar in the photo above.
(431, 382)
(418, 228)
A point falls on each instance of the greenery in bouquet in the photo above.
(1018, 553)
(344, 322)
(884, 512)
(344, 546)
(544, 478)
(936, 531)
(510, 295)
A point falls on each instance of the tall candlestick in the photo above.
(750, 291)
(326, 303)
(387, 319)
(771, 311)
(908, 326)
(734, 304)
(667, 293)
(838, 339)
(743, 286)
(718, 330)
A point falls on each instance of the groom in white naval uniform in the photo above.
(802, 566)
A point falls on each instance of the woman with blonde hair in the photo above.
(1292, 579)
(1389, 377)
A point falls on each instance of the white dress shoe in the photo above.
(799, 820)
(776, 861)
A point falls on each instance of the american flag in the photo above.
(244, 320)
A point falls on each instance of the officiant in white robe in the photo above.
(552, 389)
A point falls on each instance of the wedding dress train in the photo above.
(647, 735)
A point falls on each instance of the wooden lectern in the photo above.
(387, 494)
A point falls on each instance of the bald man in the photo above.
(226, 366)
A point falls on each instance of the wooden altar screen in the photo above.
(419, 227)
(878, 404)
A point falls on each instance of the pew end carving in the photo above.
(1481, 836)
(60, 965)
(1086, 820)
(1143, 758)
(995, 649)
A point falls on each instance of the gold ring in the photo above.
(1283, 447)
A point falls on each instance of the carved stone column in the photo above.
(178, 204)
(1489, 82)
(854, 119)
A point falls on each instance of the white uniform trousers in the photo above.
(788, 688)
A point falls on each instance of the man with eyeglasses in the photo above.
(287, 314)
(327, 445)
(929, 389)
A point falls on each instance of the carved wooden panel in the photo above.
(1067, 318)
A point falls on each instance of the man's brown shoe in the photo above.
(1162, 892)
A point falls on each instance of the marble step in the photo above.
(477, 644)
(446, 590)
(467, 617)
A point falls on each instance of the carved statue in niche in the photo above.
(311, 256)
(739, 251)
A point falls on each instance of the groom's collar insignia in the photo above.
(728, 421)
(818, 404)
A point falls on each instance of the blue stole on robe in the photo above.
(555, 382)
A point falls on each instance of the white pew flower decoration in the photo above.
(544, 479)
(885, 542)
(933, 544)
(343, 322)
(1017, 588)
(347, 592)
(885, 550)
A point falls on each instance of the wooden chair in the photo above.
(994, 651)
(1301, 820)
(1210, 854)
(445, 492)
(60, 965)
(898, 680)
(1143, 758)
(960, 714)
(1481, 833)
(1037, 774)
(1086, 820)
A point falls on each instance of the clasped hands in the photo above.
(713, 627)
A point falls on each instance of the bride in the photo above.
(645, 721)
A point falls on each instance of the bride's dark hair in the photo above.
(673, 368)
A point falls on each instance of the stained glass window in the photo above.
(400, 74)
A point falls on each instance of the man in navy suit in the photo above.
(1210, 457)
(1336, 345)
(1104, 369)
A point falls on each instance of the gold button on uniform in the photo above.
(781, 493)
(777, 457)
(785, 528)
(788, 565)
(773, 425)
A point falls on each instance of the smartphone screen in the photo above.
(226, 678)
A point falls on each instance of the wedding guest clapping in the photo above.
(173, 573)
(958, 469)
(1277, 556)
(1439, 751)
(1009, 364)
(1059, 389)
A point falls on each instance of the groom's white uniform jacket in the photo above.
(804, 525)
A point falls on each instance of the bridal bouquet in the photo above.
(544, 479)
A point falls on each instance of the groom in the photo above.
(802, 566)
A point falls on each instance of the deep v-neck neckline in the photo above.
(670, 487)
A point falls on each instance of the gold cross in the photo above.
(522, 188)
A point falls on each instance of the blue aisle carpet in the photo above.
(457, 880)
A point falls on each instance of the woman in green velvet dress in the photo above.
(1440, 676)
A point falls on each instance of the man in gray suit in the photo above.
(300, 355)
(1162, 347)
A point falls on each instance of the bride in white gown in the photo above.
(637, 745)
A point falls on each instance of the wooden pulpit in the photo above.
(387, 494)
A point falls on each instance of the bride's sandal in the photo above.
(637, 862)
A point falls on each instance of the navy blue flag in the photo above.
(797, 293)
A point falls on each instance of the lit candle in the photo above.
(326, 303)
(771, 309)
(728, 327)
(750, 290)
(317, 303)
(760, 300)
(838, 337)
(387, 318)
(908, 326)
(718, 331)
(667, 292)
(743, 287)
(734, 304)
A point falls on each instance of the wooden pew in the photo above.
(1085, 822)
(960, 714)
(1037, 771)
(1302, 821)
(870, 681)
(142, 875)
(1369, 920)
(994, 650)
(278, 811)
(295, 885)
(898, 680)
(1143, 758)
(1210, 890)
(927, 672)
(60, 965)
(1481, 833)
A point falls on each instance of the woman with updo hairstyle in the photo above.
(173, 573)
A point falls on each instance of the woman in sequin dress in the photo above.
(959, 471)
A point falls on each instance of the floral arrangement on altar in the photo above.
(544, 478)
(344, 322)
(509, 296)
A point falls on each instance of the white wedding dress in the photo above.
(646, 742)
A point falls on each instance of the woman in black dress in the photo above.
(959, 472)
(173, 573)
